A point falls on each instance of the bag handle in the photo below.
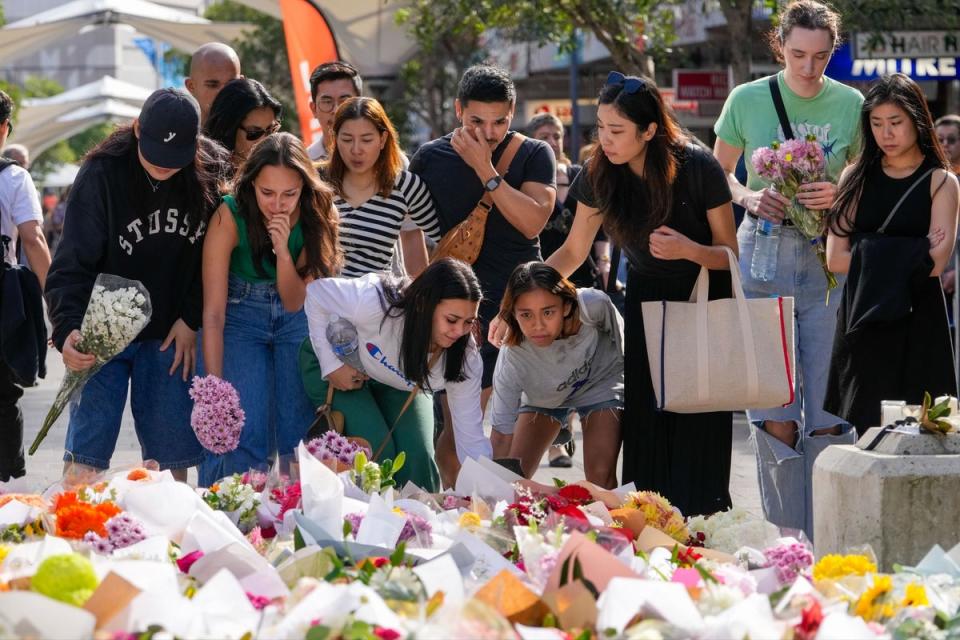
(700, 295)
(774, 82)
(406, 405)
(906, 193)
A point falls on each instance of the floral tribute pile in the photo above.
(330, 548)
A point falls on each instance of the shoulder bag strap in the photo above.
(883, 227)
(406, 405)
(781, 109)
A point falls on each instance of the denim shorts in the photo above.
(159, 401)
(560, 413)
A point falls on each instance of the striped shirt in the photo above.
(369, 232)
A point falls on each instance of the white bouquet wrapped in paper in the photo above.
(118, 311)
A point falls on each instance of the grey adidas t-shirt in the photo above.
(577, 371)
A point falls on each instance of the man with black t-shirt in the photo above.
(458, 169)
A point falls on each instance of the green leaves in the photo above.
(931, 416)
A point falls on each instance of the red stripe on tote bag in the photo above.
(786, 354)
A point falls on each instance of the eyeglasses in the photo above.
(630, 85)
(326, 104)
(948, 140)
(255, 133)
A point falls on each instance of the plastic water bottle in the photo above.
(344, 341)
(766, 246)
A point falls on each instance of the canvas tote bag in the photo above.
(720, 355)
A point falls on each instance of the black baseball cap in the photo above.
(169, 126)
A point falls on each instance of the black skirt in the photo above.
(683, 456)
(893, 361)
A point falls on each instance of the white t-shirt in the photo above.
(19, 203)
(357, 300)
(317, 151)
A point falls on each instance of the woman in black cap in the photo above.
(138, 209)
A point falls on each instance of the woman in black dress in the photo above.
(667, 204)
(892, 339)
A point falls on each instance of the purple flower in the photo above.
(333, 446)
(417, 528)
(99, 545)
(124, 531)
(354, 519)
(217, 418)
(790, 561)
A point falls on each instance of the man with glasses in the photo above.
(331, 84)
(212, 66)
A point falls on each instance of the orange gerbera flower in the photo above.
(76, 518)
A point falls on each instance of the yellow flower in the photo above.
(469, 520)
(4, 550)
(834, 566)
(916, 596)
(399, 511)
(788, 157)
(871, 605)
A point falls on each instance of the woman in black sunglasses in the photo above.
(242, 114)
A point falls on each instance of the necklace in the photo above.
(153, 185)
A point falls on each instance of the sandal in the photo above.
(563, 461)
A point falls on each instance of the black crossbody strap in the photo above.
(781, 109)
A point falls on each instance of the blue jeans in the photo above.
(560, 413)
(786, 473)
(260, 345)
(160, 403)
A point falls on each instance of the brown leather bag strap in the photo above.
(406, 405)
(503, 165)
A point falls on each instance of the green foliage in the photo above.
(874, 15)
(263, 54)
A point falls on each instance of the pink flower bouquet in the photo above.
(217, 418)
(787, 165)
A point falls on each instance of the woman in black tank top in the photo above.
(892, 231)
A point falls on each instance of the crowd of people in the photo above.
(252, 244)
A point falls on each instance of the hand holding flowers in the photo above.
(796, 169)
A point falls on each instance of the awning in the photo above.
(183, 30)
(365, 30)
(43, 122)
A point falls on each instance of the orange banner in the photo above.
(309, 43)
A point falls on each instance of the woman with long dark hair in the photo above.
(272, 236)
(890, 230)
(666, 202)
(376, 197)
(241, 115)
(416, 336)
(138, 209)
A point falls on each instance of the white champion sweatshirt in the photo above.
(357, 300)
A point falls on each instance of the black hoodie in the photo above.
(117, 223)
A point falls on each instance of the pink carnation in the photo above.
(790, 561)
(217, 418)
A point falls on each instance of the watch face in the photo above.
(492, 183)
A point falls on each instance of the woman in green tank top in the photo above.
(276, 232)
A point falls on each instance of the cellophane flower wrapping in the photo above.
(118, 310)
(786, 166)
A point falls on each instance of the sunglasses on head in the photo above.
(255, 133)
(630, 85)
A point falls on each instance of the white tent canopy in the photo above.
(366, 33)
(44, 121)
(181, 29)
(62, 176)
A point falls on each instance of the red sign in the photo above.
(701, 85)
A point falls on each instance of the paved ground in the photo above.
(45, 467)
